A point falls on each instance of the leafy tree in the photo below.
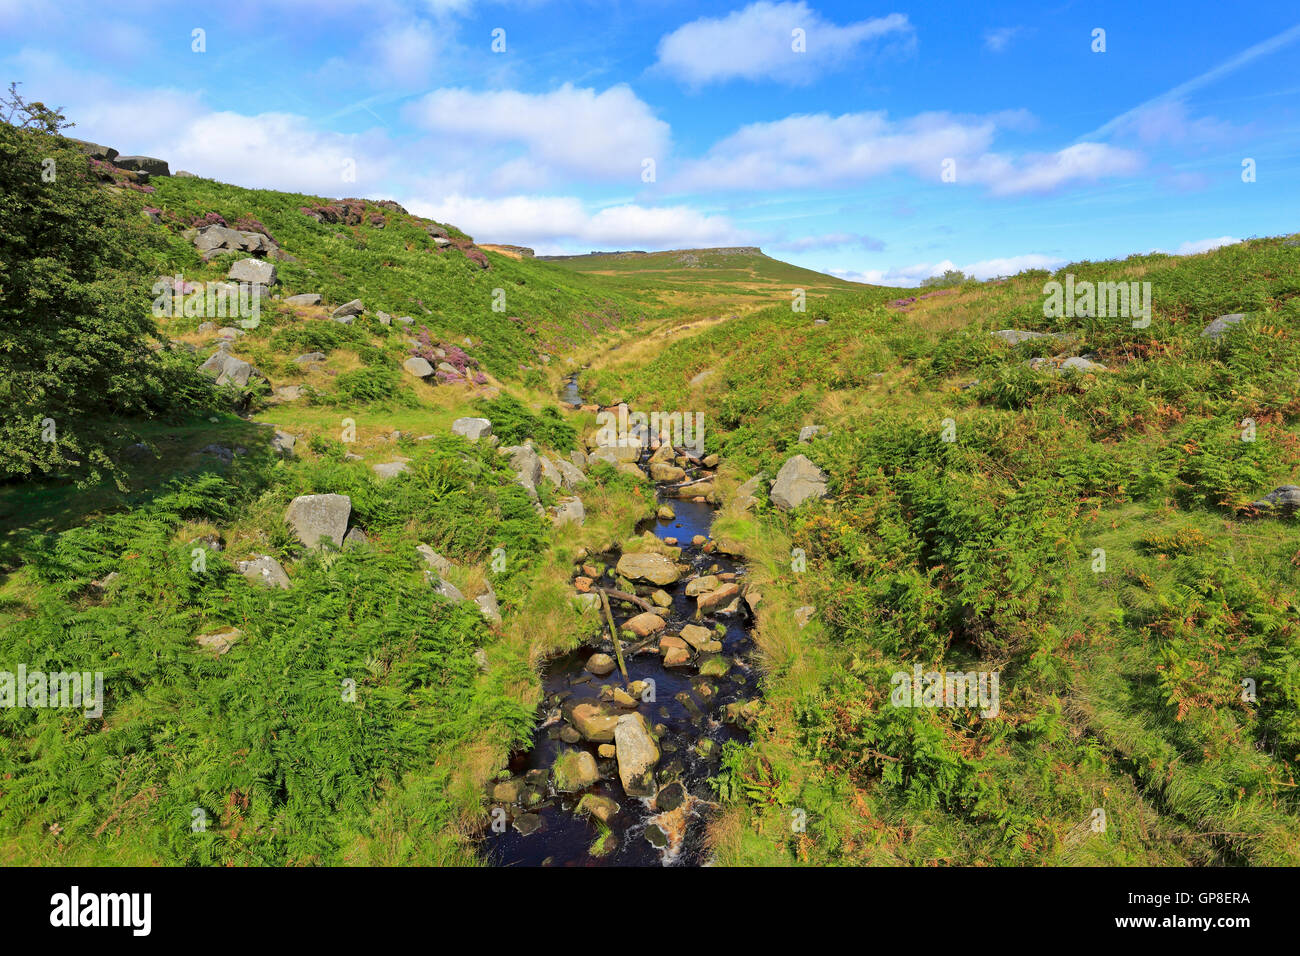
(75, 327)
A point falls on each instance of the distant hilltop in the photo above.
(628, 253)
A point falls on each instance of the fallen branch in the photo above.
(617, 595)
(618, 645)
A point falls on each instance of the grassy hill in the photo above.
(738, 278)
(1090, 536)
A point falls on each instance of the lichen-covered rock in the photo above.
(317, 518)
(648, 567)
(797, 481)
(637, 755)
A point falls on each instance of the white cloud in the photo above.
(1195, 246)
(822, 150)
(756, 43)
(1043, 172)
(266, 151)
(562, 224)
(570, 129)
(911, 276)
(819, 150)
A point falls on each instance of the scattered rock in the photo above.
(254, 271)
(418, 367)
(471, 428)
(347, 309)
(221, 640)
(648, 567)
(1284, 500)
(724, 595)
(571, 512)
(595, 721)
(390, 469)
(645, 624)
(601, 664)
(315, 518)
(637, 754)
(355, 538)
(264, 570)
(1219, 327)
(797, 481)
(574, 770)
(802, 615)
(808, 432)
(487, 604)
(603, 809)
(434, 559)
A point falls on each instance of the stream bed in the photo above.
(692, 717)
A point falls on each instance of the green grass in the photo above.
(1121, 690)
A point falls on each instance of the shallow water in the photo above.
(689, 706)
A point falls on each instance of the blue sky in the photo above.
(832, 157)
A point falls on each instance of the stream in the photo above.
(689, 713)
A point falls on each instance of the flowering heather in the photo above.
(208, 219)
(249, 224)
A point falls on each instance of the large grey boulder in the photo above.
(348, 308)
(315, 518)
(225, 367)
(637, 754)
(264, 570)
(649, 567)
(1220, 326)
(304, 298)
(549, 471)
(283, 443)
(571, 512)
(1075, 362)
(527, 465)
(797, 481)
(254, 271)
(434, 559)
(570, 475)
(1284, 500)
(143, 164)
(471, 428)
(487, 603)
(95, 150)
(1016, 336)
(448, 591)
(418, 367)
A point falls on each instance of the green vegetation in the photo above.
(1121, 674)
(1088, 536)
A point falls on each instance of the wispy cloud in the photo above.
(998, 39)
(1227, 67)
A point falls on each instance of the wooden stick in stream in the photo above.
(617, 595)
(618, 646)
